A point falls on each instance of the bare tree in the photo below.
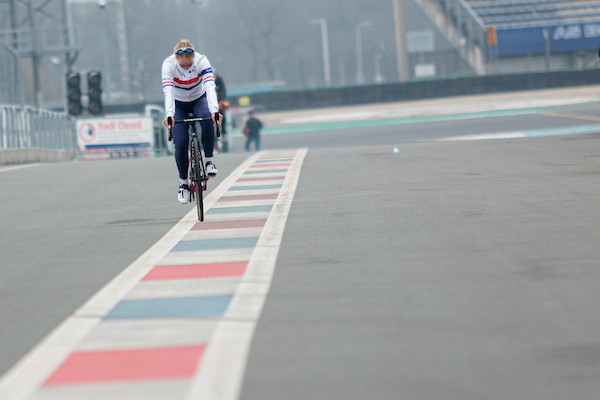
(266, 29)
(247, 41)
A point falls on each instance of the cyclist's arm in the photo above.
(208, 80)
(168, 89)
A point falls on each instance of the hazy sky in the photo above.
(250, 42)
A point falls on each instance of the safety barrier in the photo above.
(423, 89)
(26, 128)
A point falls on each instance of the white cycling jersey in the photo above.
(188, 85)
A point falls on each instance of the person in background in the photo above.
(223, 107)
(252, 131)
(189, 87)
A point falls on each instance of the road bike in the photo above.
(197, 169)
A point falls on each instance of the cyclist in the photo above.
(189, 87)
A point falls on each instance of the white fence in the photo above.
(28, 128)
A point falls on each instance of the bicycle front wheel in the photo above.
(198, 173)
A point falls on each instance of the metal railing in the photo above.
(26, 127)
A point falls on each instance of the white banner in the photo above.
(115, 137)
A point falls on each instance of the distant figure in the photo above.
(252, 131)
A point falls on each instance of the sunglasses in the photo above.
(187, 50)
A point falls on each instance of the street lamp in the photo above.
(401, 59)
(360, 75)
(325, 45)
(121, 33)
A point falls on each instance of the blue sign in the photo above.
(562, 38)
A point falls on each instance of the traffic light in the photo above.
(94, 81)
(74, 94)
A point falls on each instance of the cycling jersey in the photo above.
(188, 85)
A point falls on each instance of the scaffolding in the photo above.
(32, 30)
(11, 77)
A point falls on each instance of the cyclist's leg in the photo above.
(208, 136)
(181, 140)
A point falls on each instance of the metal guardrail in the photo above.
(26, 127)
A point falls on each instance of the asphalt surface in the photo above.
(446, 270)
(426, 131)
(69, 228)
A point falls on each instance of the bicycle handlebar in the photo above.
(192, 120)
(188, 120)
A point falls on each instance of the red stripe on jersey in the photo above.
(193, 80)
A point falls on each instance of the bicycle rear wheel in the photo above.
(199, 176)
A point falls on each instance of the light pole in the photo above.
(106, 50)
(378, 68)
(401, 59)
(121, 33)
(325, 45)
(360, 75)
(35, 56)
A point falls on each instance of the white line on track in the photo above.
(12, 168)
(221, 373)
(23, 379)
(485, 136)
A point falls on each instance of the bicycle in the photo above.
(198, 176)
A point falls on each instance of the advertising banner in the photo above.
(102, 138)
(559, 38)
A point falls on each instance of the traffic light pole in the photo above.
(106, 57)
(35, 58)
(123, 48)
(121, 35)
(69, 40)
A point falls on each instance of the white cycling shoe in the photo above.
(184, 194)
(211, 170)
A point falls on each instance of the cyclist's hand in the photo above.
(168, 122)
(214, 118)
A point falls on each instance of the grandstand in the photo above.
(531, 13)
(523, 35)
